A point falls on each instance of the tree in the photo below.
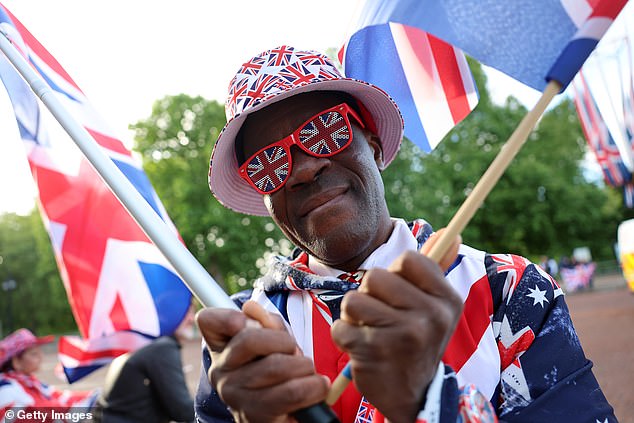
(534, 208)
(38, 300)
(175, 143)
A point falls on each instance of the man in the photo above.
(307, 146)
(148, 385)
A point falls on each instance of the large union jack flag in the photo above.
(431, 82)
(121, 289)
(429, 79)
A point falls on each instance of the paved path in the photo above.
(604, 319)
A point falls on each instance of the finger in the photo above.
(345, 334)
(411, 265)
(360, 309)
(268, 320)
(254, 343)
(256, 312)
(218, 326)
(282, 399)
(271, 370)
(361, 343)
(391, 288)
(449, 257)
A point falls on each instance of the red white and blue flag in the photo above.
(604, 97)
(429, 79)
(122, 290)
(531, 42)
(628, 97)
(598, 136)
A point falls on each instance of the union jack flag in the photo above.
(431, 83)
(253, 66)
(628, 99)
(296, 73)
(365, 413)
(510, 264)
(120, 286)
(598, 136)
(280, 56)
(325, 134)
(269, 168)
(535, 44)
(253, 82)
(429, 79)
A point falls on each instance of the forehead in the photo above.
(280, 119)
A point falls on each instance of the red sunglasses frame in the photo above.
(293, 139)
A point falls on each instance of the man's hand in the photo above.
(256, 370)
(395, 328)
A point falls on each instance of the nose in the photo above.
(305, 168)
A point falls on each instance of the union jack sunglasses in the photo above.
(327, 133)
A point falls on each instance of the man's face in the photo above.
(333, 207)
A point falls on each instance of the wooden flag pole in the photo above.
(466, 211)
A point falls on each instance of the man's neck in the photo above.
(398, 240)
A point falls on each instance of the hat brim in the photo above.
(41, 340)
(235, 193)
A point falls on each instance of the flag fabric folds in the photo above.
(604, 97)
(531, 42)
(122, 290)
(598, 136)
(429, 79)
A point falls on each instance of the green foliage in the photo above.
(175, 143)
(38, 301)
(541, 205)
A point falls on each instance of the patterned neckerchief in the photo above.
(293, 273)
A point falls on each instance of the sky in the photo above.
(126, 54)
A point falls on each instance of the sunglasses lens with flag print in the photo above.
(323, 135)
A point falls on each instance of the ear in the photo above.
(377, 148)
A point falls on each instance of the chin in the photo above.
(341, 241)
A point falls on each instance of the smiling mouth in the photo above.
(319, 200)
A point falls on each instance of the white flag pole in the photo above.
(197, 279)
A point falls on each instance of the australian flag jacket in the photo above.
(515, 344)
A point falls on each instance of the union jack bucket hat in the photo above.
(270, 77)
(19, 341)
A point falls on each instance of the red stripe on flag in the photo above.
(607, 8)
(77, 353)
(38, 49)
(330, 361)
(449, 72)
(118, 316)
(110, 143)
(474, 321)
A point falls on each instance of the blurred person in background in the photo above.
(20, 360)
(148, 385)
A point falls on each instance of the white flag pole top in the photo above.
(197, 279)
